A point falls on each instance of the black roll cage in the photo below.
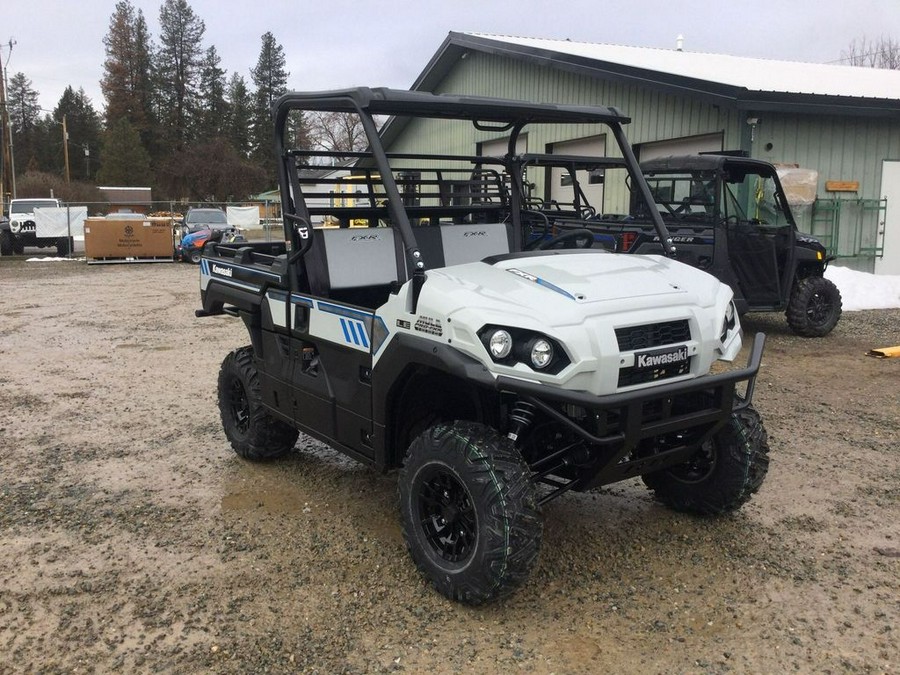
(484, 112)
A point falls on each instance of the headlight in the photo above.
(500, 344)
(541, 353)
(509, 346)
(15, 226)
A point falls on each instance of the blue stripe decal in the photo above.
(301, 300)
(354, 333)
(343, 311)
(554, 287)
(347, 337)
(362, 335)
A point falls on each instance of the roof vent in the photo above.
(679, 43)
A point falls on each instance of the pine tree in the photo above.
(83, 125)
(212, 115)
(124, 161)
(240, 115)
(24, 120)
(270, 78)
(178, 64)
(127, 83)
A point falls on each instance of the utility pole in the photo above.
(66, 148)
(7, 170)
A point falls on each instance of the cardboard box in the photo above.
(128, 238)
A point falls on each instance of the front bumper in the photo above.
(686, 413)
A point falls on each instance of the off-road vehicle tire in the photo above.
(814, 307)
(723, 474)
(195, 257)
(6, 242)
(252, 431)
(469, 511)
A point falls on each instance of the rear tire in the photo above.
(724, 473)
(469, 512)
(253, 432)
(814, 307)
(63, 246)
(195, 257)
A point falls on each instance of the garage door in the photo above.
(691, 145)
(561, 189)
(889, 229)
(499, 146)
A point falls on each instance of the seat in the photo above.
(363, 264)
(446, 245)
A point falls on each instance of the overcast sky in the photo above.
(343, 43)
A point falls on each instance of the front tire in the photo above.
(469, 512)
(195, 257)
(253, 432)
(814, 307)
(724, 473)
(6, 242)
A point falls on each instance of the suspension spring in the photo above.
(520, 417)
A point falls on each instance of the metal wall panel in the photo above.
(839, 148)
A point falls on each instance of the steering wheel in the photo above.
(576, 236)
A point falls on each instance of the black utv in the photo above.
(728, 216)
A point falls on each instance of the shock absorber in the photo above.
(520, 418)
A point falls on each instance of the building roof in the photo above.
(750, 83)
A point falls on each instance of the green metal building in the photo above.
(833, 130)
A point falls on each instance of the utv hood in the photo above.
(574, 283)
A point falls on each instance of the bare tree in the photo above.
(336, 132)
(881, 53)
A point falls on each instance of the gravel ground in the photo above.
(132, 539)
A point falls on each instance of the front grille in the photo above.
(652, 335)
(631, 376)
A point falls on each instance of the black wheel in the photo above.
(724, 473)
(469, 511)
(252, 431)
(195, 257)
(6, 242)
(63, 246)
(18, 246)
(814, 307)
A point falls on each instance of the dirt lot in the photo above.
(132, 539)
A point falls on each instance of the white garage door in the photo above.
(692, 145)
(499, 146)
(561, 189)
(889, 230)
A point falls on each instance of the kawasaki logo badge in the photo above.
(224, 271)
(661, 357)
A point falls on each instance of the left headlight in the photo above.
(541, 353)
(509, 346)
(15, 226)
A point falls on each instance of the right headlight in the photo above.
(15, 226)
